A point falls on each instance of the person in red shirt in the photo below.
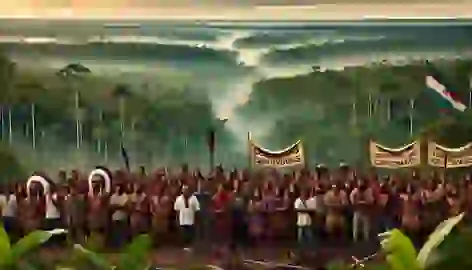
(221, 203)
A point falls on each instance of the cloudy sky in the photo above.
(235, 9)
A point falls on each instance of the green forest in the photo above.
(334, 112)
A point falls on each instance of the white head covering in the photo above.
(38, 179)
(106, 178)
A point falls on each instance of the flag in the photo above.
(124, 155)
(445, 97)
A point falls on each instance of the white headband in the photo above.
(38, 179)
(106, 178)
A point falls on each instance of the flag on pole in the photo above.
(445, 97)
(124, 155)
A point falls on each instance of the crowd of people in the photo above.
(243, 208)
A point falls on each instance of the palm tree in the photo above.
(122, 92)
(7, 74)
(31, 87)
(70, 72)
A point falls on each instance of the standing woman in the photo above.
(161, 208)
(75, 210)
(97, 205)
(256, 217)
(221, 206)
(139, 211)
(31, 210)
(410, 221)
(270, 205)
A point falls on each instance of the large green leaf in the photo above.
(436, 238)
(5, 248)
(401, 253)
(29, 243)
(96, 259)
(135, 255)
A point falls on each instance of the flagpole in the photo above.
(412, 108)
(10, 129)
(2, 118)
(185, 154)
(445, 166)
(122, 117)
(33, 125)
(249, 146)
(470, 92)
(105, 150)
(77, 121)
(99, 139)
(354, 112)
(370, 106)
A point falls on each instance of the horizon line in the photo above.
(330, 12)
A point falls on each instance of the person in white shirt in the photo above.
(9, 211)
(305, 208)
(119, 218)
(53, 219)
(186, 206)
(3, 202)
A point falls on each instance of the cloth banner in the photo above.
(288, 157)
(456, 157)
(393, 158)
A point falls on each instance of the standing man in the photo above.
(186, 205)
(119, 217)
(362, 198)
(305, 207)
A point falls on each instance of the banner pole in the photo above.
(445, 167)
(211, 147)
(249, 151)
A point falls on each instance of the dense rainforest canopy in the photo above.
(333, 111)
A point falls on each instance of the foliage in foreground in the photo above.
(400, 253)
(443, 250)
(15, 257)
(133, 257)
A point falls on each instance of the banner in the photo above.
(394, 158)
(456, 157)
(290, 156)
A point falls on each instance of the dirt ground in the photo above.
(178, 258)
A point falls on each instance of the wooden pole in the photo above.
(445, 167)
(249, 150)
(211, 147)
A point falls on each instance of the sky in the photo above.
(234, 9)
